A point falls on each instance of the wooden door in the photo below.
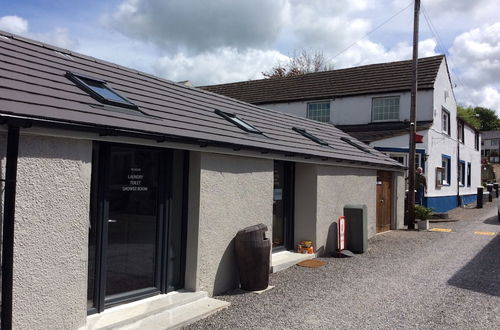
(384, 201)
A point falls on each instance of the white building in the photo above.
(490, 146)
(372, 103)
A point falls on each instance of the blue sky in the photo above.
(216, 41)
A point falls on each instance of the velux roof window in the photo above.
(354, 144)
(99, 90)
(231, 117)
(311, 137)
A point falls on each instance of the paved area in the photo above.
(406, 280)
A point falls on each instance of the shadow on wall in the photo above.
(331, 240)
(481, 273)
(226, 277)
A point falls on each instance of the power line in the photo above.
(373, 30)
(440, 45)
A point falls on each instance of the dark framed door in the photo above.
(135, 214)
(384, 201)
(283, 205)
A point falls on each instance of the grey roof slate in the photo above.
(33, 84)
(366, 79)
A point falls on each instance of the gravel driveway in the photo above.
(406, 280)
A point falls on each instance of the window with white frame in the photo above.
(319, 111)
(445, 164)
(461, 173)
(494, 142)
(445, 121)
(461, 133)
(385, 108)
(403, 158)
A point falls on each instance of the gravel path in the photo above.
(406, 280)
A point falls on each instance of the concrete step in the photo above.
(180, 316)
(124, 315)
(286, 259)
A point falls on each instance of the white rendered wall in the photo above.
(51, 233)
(352, 110)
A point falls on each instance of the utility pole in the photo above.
(413, 121)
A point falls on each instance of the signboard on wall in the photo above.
(341, 231)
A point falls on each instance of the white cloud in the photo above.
(222, 65)
(368, 52)
(197, 26)
(59, 36)
(14, 24)
(475, 59)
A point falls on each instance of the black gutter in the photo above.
(26, 122)
(8, 225)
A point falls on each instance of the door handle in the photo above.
(112, 221)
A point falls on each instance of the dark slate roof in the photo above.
(378, 131)
(367, 79)
(33, 85)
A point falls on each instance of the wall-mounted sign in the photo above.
(341, 231)
(134, 178)
(278, 194)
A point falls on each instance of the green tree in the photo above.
(483, 119)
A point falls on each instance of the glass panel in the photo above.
(385, 108)
(132, 193)
(100, 89)
(319, 111)
(278, 204)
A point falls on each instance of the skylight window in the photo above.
(238, 122)
(100, 91)
(354, 144)
(311, 137)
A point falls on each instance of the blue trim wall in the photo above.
(446, 203)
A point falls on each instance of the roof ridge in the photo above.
(359, 67)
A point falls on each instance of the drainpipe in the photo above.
(8, 225)
(458, 167)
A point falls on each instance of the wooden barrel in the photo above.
(253, 256)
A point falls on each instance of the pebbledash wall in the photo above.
(51, 232)
(226, 194)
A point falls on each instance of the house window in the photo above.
(385, 108)
(445, 121)
(460, 127)
(231, 117)
(319, 111)
(100, 91)
(469, 173)
(494, 143)
(446, 165)
(461, 173)
(399, 158)
(311, 137)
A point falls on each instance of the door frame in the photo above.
(288, 207)
(100, 211)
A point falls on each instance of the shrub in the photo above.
(422, 212)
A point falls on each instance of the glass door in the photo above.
(137, 223)
(132, 198)
(283, 205)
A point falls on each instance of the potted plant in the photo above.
(423, 214)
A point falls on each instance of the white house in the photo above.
(372, 103)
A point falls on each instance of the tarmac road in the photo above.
(406, 280)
